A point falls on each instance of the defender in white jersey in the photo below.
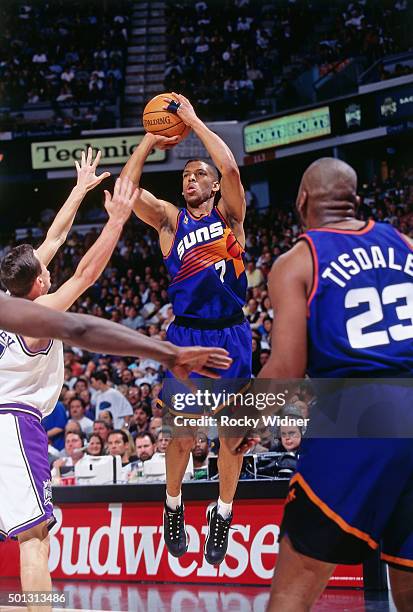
(31, 376)
(21, 316)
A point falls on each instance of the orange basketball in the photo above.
(159, 121)
(233, 247)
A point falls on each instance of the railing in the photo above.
(372, 74)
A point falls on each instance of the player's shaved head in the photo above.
(330, 179)
(328, 192)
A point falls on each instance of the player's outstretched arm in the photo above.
(86, 180)
(232, 192)
(92, 264)
(95, 334)
(148, 207)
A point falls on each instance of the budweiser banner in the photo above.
(123, 541)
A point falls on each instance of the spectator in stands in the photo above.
(108, 398)
(67, 395)
(102, 429)
(73, 453)
(118, 444)
(252, 313)
(146, 391)
(145, 446)
(127, 378)
(254, 275)
(140, 420)
(290, 437)
(77, 411)
(73, 427)
(200, 450)
(86, 396)
(80, 385)
(155, 425)
(264, 355)
(162, 440)
(96, 446)
(134, 396)
(107, 416)
(54, 424)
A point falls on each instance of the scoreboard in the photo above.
(390, 107)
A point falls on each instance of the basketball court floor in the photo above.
(127, 597)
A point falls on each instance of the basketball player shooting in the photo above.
(343, 298)
(202, 245)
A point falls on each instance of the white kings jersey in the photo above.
(30, 378)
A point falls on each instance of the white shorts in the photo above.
(25, 485)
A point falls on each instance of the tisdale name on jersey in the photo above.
(215, 230)
(347, 265)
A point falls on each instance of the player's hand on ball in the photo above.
(86, 171)
(200, 360)
(185, 111)
(163, 142)
(120, 205)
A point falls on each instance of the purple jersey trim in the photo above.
(17, 408)
(32, 523)
(43, 351)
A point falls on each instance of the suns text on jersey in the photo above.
(215, 230)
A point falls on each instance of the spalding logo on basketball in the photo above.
(233, 247)
(159, 121)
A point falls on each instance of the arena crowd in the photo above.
(229, 56)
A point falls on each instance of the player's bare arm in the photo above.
(28, 318)
(289, 286)
(160, 214)
(86, 181)
(232, 203)
(119, 208)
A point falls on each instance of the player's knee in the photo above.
(35, 535)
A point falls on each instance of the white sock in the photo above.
(224, 509)
(173, 502)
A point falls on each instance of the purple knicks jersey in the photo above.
(206, 266)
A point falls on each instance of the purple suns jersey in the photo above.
(361, 306)
(206, 266)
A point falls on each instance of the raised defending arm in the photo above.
(95, 260)
(86, 180)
